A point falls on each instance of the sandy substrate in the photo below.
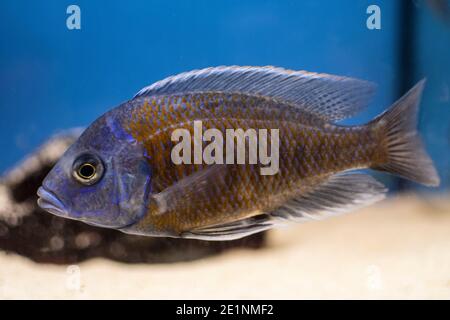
(397, 249)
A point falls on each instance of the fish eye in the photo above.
(87, 169)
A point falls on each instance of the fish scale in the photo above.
(248, 188)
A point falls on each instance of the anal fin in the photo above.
(341, 193)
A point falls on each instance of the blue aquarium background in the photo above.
(53, 78)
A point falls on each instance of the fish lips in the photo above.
(49, 201)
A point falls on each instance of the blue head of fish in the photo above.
(103, 179)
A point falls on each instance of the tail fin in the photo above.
(406, 156)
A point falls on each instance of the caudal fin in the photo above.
(406, 156)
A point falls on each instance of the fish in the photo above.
(120, 172)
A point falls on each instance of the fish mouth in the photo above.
(50, 202)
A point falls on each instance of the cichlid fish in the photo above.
(119, 174)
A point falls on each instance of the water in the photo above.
(53, 78)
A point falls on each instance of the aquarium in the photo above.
(225, 150)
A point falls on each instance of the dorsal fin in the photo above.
(332, 97)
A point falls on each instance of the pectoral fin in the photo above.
(191, 188)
